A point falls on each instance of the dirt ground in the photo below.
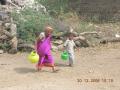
(94, 69)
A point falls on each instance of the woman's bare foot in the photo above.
(55, 70)
(38, 67)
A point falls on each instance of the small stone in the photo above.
(91, 71)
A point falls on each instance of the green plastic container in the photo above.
(33, 57)
(64, 56)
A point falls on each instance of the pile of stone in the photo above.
(79, 39)
(8, 29)
(22, 4)
(8, 33)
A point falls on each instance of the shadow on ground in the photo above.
(60, 65)
(25, 70)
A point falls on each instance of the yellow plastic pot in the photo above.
(33, 57)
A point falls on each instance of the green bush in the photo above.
(30, 21)
(55, 7)
(5, 46)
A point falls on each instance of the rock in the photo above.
(13, 29)
(12, 51)
(91, 71)
(85, 43)
(75, 34)
(39, 7)
(54, 48)
(7, 25)
(78, 44)
(1, 22)
(1, 51)
(3, 16)
(31, 4)
(71, 30)
(19, 2)
(14, 43)
(58, 42)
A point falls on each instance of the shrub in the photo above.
(30, 21)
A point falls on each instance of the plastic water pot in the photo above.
(33, 57)
(64, 55)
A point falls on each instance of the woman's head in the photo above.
(48, 30)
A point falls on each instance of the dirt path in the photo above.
(95, 69)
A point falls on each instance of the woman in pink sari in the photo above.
(44, 50)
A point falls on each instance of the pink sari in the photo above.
(44, 51)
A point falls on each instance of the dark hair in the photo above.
(70, 34)
(37, 34)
